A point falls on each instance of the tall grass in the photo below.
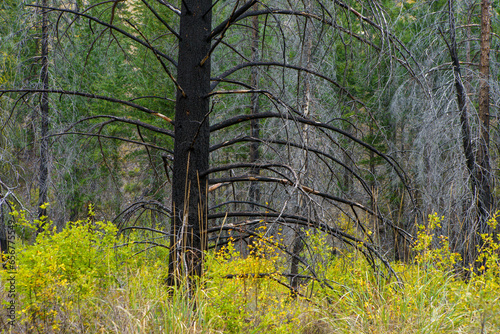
(95, 287)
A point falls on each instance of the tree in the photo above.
(484, 172)
(192, 140)
(254, 191)
(44, 115)
(209, 125)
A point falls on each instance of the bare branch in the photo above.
(248, 178)
(301, 146)
(161, 19)
(235, 16)
(272, 63)
(170, 6)
(110, 26)
(89, 95)
(126, 120)
(112, 137)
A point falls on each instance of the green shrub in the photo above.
(62, 268)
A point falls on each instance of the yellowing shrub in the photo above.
(62, 268)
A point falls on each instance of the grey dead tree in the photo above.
(444, 119)
(476, 154)
(27, 44)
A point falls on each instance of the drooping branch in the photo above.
(170, 6)
(112, 137)
(321, 126)
(88, 95)
(151, 205)
(235, 16)
(248, 178)
(294, 290)
(333, 24)
(266, 207)
(300, 146)
(162, 63)
(155, 13)
(248, 232)
(125, 120)
(283, 65)
(145, 228)
(251, 165)
(391, 36)
(244, 118)
(348, 239)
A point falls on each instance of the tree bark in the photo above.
(44, 118)
(477, 163)
(254, 192)
(191, 148)
(298, 243)
(483, 157)
(467, 249)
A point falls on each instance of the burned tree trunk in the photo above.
(44, 117)
(254, 192)
(467, 145)
(298, 243)
(191, 149)
(476, 156)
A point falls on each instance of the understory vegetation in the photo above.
(84, 280)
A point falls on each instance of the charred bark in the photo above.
(467, 145)
(254, 192)
(191, 148)
(298, 243)
(477, 158)
(44, 117)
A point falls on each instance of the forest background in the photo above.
(255, 146)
